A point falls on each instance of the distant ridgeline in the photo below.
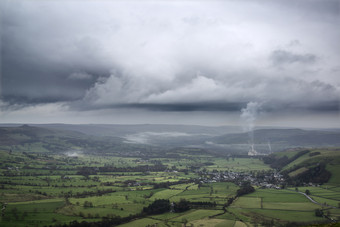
(266, 141)
(41, 140)
(151, 141)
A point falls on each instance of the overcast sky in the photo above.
(183, 62)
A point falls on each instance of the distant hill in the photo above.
(167, 136)
(28, 134)
(123, 130)
(156, 138)
(37, 139)
(287, 137)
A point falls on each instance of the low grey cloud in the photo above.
(279, 57)
(80, 76)
(212, 94)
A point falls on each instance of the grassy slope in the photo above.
(331, 157)
(288, 205)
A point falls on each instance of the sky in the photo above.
(175, 62)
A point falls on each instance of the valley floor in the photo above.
(41, 189)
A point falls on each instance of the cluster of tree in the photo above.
(319, 213)
(162, 185)
(195, 166)
(182, 205)
(202, 204)
(267, 223)
(133, 182)
(317, 174)
(86, 171)
(92, 193)
(279, 163)
(159, 206)
(167, 184)
(109, 183)
(209, 163)
(19, 183)
(113, 221)
(40, 193)
(228, 203)
(87, 204)
(245, 188)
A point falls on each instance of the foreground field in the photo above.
(55, 190)
(276, 206)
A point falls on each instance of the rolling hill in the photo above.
(27, 138)
(280, 139)
(156, 138)
(307, 165)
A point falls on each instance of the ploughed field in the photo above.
(45, 189)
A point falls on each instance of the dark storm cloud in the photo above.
(171, 56)
(265, 107)
(36, 57)
(324, 107)
(204, 92)
(327, 106)
(179, 107)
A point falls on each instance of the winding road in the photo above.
(313, 201)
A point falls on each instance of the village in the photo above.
(264, 180)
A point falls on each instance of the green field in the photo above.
(41, 189)
(143, 222)
(213, 222)
(38, 213)
(334, 168)
(281, 205)
(247, 202)
(196, 215)
(238, 164)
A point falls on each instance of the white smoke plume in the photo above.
(270, 147)
(249, 116)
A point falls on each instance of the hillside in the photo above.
(26, 134)
(122, 130)
(27, 138)
(156, 138)
(307, 165)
